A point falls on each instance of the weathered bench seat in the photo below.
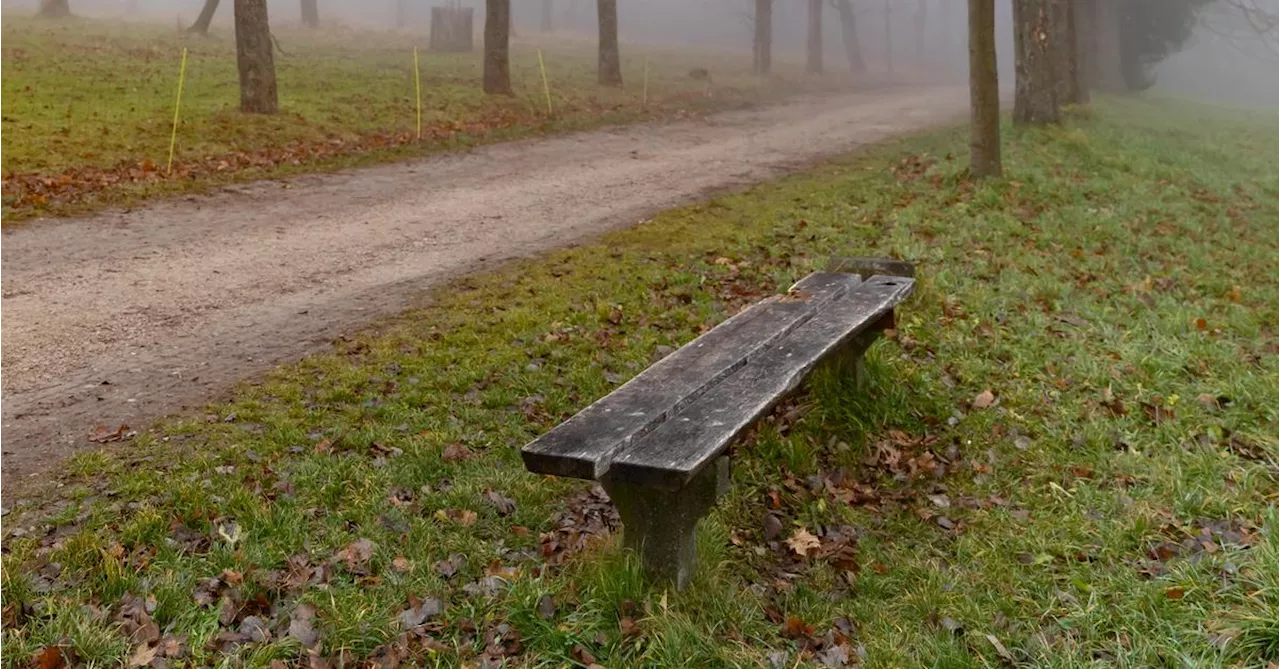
(655, 442)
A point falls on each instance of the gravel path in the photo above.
(125, 317)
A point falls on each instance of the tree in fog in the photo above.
(813, 55)
(254, 58)
(497, 27)
(1035, 97)
(984, 91)
(54, 9)
(1066, 63)
(608, 63)
(762, 44)
(547, 24)
(201, 26)
(311, 13)
(849, 35)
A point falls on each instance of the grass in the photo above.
(89, 105)
(1066, 457)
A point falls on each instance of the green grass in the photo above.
(89, 105)
(1115, 293)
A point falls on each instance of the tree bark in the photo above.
(1086, 59)
(497, 25)
(849, 35)
(762, 62)
(547, 24)
(201, 26)
(1108, 59)
(1035, 97)
(608, 62)
(311, 13)
(1068, 72)
(813, 60)
(54, 9)
(984, 91)
(254, 58)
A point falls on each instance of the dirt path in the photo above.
(124, 317)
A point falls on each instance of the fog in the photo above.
(1226, 61)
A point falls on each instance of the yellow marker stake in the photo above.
(546, 88)
(644, 96)
(177, 106)
(417, 88)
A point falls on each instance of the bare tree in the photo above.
(1066, 53)
(547, 24)
(984, 91)
(201, 26)
(311, 13)
(497, 29)
(54, 9)
(919, 21)
(762, 45)
(1035, 92)
(608, 62)
(813, 60)
(254, 58)
(849, 35)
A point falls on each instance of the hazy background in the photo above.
(1223, 63)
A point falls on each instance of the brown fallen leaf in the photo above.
(356, 554)
(505, 505)
(51, 657)
(1175, 592)
(984, 399)
(400, 564)
(301, 626)
(102, 434)
(142, 656)
(795, 628)
(455, 452)
(546, 607)
(803, 543)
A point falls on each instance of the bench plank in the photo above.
(673, 453)
(584, 445)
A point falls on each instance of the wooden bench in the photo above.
(656, 443)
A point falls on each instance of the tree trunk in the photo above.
(919, 21)
(1035, 93)
(1086, 60)
(984, 91)
(888, 35)
(608, 62)
(1108, 59)
(547, 26)
(54, 9)
(849, 35)
(254, 58)
(813, 60)
(763, 43)
(1068, 71)
(201, 26)
(497, 24)
(311, 13)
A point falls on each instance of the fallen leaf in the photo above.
(1175, 592)
(945, 523)
(51, 657)
(795, 628)
(546, 607)
(803, 543)
(505, 505)
(455, 452)
(356, 554)
(420, 611)
(581, 655)
(400, 564)
(102, 434)
(142, 656)
(1000, 649)
(984, 399)
(301, 626)
(772, 527)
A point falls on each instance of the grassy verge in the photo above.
(1067, 457)
(89, 105)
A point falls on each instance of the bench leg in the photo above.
(850, 360)
(660, 525)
